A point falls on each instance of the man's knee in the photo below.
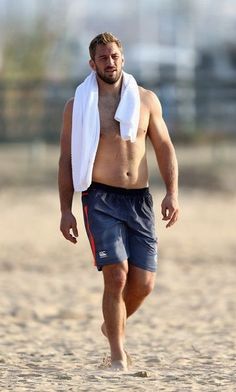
(147, 287)
(142, 287)
(115, 277)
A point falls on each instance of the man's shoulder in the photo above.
(148, 97)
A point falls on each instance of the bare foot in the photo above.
(119, 366)
(107, 363)
(118, 363)
(122, 364)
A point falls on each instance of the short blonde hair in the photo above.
(103, 39)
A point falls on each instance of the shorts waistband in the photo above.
(114, 189)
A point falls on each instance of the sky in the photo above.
(146, 15)
(188, 24)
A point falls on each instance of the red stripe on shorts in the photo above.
(91, 239)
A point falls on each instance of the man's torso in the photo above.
(121, 163)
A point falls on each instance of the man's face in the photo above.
(108, 63)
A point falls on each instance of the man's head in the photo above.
(106, 57)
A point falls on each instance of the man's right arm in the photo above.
(166, 158)
(68, 224)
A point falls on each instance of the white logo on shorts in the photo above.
(102, 254)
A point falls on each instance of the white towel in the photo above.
(86, 125)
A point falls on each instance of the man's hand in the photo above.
(68, 226)
(170, 209)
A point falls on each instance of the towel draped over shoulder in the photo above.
(86, 125)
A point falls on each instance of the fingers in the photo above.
(164, 211)
(170, 209)
(68, 236)
(74, 229)
(167, 212)
(173, 219)
(170, 215)
(71, 238)
(69, 230)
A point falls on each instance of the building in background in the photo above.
(184, 50)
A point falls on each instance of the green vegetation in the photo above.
(25, 53)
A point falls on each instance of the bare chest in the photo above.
(109, 126)
(107, 109)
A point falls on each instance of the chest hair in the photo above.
(107, 107)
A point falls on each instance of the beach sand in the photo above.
(181, 339)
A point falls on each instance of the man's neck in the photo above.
(110, 89)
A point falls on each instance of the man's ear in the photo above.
(123, 60)
(92, 65)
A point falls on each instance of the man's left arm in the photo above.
(166, 158)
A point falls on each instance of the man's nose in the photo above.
(110, 61)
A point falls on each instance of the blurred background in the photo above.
(185, 51)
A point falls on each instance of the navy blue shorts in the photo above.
(120, 225)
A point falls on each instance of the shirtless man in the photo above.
(118, 210)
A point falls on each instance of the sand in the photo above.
(181, 339)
